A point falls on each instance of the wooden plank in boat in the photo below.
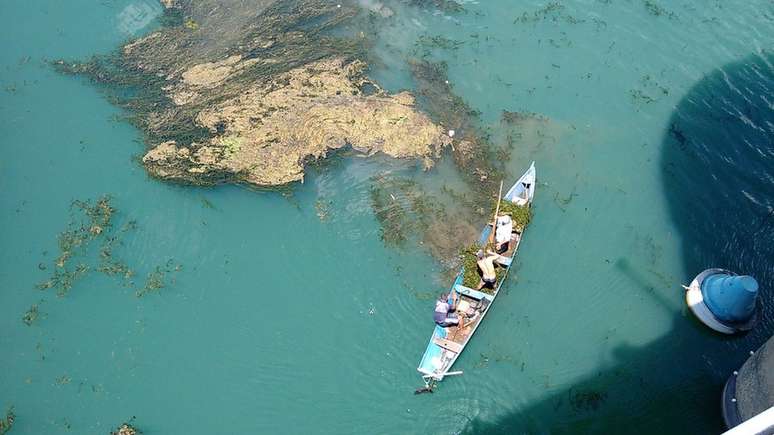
(448, 344)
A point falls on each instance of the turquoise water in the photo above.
(655, 161)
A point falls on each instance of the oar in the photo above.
(497, 211)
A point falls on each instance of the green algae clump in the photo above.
(126, 429)
(470, 276)
(520, 215)
(157, 279)
(88, 223)
(265, 136)
(32, 314)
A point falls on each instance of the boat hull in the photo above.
(441, 354)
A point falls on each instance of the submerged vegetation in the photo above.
(89, 242)
(586, 401)
(513, 118)
(477, 159)
(402, 208)
(446, 6)
(407, 212)
(88, 223)
(442, 220)
(657, 10)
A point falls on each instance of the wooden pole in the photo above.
(497, 211)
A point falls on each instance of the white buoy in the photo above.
(451, 133)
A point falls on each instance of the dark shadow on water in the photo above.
(718, 177)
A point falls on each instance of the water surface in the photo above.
(655, 161)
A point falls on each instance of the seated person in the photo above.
(444, 314)
(486, 264)
(503, 233)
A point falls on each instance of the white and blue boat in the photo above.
(447, 343)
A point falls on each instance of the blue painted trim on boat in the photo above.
(475, 294)
(433, 350)
(484, 235)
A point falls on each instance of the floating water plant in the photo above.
(395, 201)
(32, 314)
(476, 158)
(657, 10)
(126, 429)
(157, 279)
(322, 208)
(515, 118)
(89, 222)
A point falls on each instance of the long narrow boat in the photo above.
(446, 344)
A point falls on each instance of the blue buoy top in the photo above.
(731, 298)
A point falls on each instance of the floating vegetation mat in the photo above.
(250, 92)
(88, 244)
(90, 224)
